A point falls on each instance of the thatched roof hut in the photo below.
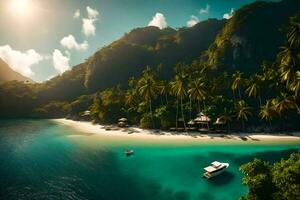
(122, 120)
(202, 118)
(86, 113)
(191, 122)
(219, 121)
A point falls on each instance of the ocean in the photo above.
(42, 159)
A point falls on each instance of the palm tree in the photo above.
(267, 112)
(294, 32)
(253, 89)
(237, 83)
(131, 97)
(148, 89)
(164, 90)
(243, 111)
(179, 90)
(290, 57)
(295, 85)
(284, 103)
(289, 61)
(226, 117)
(197, 90)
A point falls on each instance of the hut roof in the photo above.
(202, 118)
(191, 122)
(200, 114)
(219, 121)
(86, 113)
(122, 120)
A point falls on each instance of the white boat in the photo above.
(215, 169)
(129, 152)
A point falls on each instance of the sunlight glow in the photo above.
(21, 8)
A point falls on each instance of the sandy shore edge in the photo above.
(134, 132)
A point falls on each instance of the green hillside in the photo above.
(255, 33)
(214, 67)
(128, 56)
(151, 46)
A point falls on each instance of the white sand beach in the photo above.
(134, 133)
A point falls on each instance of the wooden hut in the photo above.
(219, 125)
(191, 125)
(86, 115)
(123, 122)
(202, 122)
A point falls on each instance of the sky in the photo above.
(43, 38)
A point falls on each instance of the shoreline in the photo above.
(148, 136)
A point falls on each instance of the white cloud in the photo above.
(76, 14)
(228, 15)
(60, 62)
(88, 27)
(159, 21)
(71, 43)
(192, 21)
(92, 13)
(88, 24)
(205, 10)
(20, 61)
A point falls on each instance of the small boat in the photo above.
(129, 152)
(215, 169)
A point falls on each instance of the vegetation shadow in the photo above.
(224, 179)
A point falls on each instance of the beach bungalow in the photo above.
(85, 116)
(219, 125)
(191, 125)
(123, 122)
(202, 121)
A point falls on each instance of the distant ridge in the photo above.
(253, 35)
(7, 74)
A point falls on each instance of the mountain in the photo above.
(150, 46)
(255, 33)
(67, 86)
(7, 74)
(129, 56)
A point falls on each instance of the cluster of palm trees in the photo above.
(273, 93)
(147, 89)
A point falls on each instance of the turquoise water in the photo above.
(40, 159)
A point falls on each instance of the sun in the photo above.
(21, 7)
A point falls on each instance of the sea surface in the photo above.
(41, 159)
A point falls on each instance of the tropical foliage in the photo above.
(157, 97)
(278, 181)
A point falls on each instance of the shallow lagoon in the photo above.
(40, 159)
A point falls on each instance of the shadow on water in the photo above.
(205, 196)
(224, 179)
(169, 194)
